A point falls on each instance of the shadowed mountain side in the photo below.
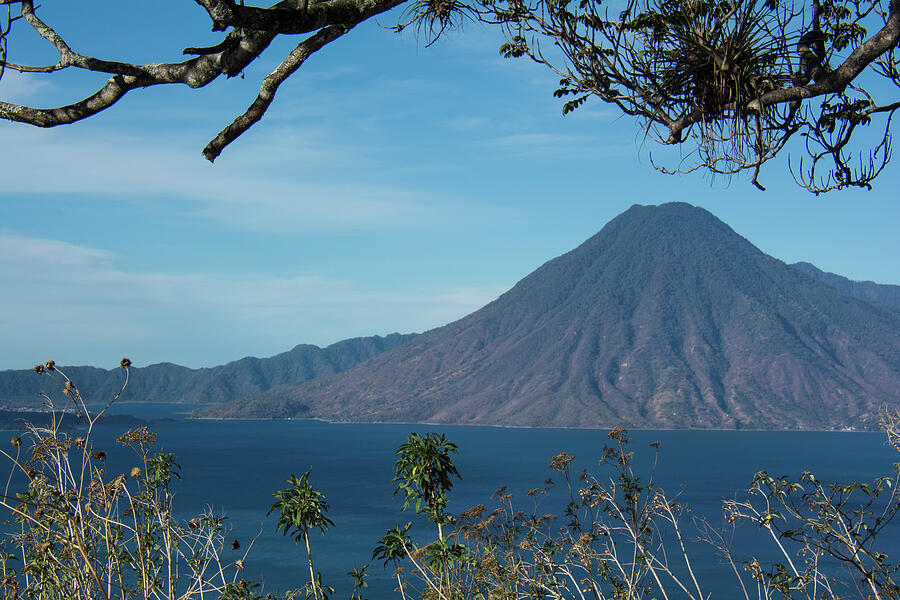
(666, 318)
(879, 293)
(166, 382)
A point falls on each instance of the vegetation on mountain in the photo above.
(86, 534)
(735, 83)
(665, 318)
(166, 382)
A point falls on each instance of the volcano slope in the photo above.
(665, 318)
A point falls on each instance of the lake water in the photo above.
(234, 466)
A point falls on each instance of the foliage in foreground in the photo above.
(83, 533)
(622, 537)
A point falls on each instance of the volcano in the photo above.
(666, 318)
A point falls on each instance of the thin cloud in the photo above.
(554, 144)
(299, 181)
(75, 304)
(19, 87)
(462, 123)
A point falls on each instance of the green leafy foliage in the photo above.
(840, 521)
(300, 508)
(358, 575)
(423, 472)
(392, 548)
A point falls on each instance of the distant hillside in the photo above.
(166, 382)
(665, 318)
(888, 295)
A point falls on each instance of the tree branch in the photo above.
(105, 97)
(195, 73)
(269, 87)
(253, 30)
(866, 53)
(886, 108)
(725, 83)
(289, 16)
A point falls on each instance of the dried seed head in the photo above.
(194, 523)
(137, 437)
(79, 442)
(99, 455)
(51, 365)
(560, 462)
(16, 441)
(135, 472)
(38, 369)
(125, 363)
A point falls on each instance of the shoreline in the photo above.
(598, 428)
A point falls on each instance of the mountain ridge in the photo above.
(168, 382)
(879, 293)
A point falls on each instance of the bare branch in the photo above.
(196, 72)
(886, 108)
(293, 16)
(29, 69)
(253, 30)
(221, 46)
(270, 86)
(108, 95)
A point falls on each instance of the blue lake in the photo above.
(234, 466)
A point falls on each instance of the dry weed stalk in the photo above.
(84, 533)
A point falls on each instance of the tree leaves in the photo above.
(422, 473)
(301, 508)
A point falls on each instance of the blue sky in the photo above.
(391, 187)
